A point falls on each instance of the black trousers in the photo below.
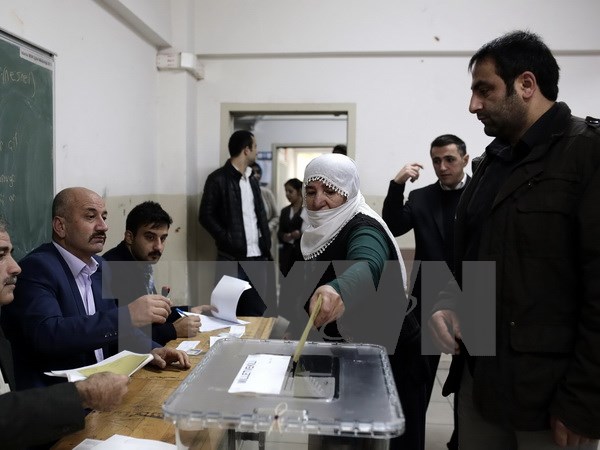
(411, 375)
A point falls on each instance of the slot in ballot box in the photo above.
(341, 396)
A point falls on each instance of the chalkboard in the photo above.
(26, 142)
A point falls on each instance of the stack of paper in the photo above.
(225, 296)
(123, 363)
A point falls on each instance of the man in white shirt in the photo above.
(233, 212)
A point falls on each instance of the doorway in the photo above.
(289, 125)
(290, 161)
(288, 136)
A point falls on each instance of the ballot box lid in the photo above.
(339, 389)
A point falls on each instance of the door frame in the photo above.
(230, 110)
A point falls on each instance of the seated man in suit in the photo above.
(37, 416)
(146, 231)
(59, 319)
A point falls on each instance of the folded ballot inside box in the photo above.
(246, 385)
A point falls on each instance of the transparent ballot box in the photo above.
(339, 396)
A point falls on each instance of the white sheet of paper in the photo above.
(120, 442)
(209, 323)
(87, 444)
(237, 330)
(226, 295)
(187, 345)
(261, 374)
(213, 339)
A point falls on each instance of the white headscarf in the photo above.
(340, 173)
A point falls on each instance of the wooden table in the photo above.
(140, 415)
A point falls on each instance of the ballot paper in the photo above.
(261, 374)
(123, 363)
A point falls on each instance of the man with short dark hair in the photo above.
(532, 209)
(429, 211)
(341, 149)
(233, 212)
(38, 416)
(146, 231)
(60, 319)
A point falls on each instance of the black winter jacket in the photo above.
(221, 213)
(542, 234)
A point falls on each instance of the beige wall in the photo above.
(172, 269)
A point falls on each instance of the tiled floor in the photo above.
(440, 422)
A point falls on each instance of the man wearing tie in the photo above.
(59, 318)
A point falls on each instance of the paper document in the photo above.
(261, 374)
(187, 345)
(124, 363)
(235, 332)
(87, 444)
(190, 348)
(226, 295)
(209, 323)
(120, 442)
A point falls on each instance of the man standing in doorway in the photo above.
(233, 212)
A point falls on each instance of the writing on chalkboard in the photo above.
(26, 142)
(16, 76)
(12, 144)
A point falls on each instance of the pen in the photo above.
(181, 313)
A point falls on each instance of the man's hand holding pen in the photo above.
(147, 309)
(187, 326)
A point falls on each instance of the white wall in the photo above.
(130, 132)
(316, 26)
(123, 128)
(403, 63)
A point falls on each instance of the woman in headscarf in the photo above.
(342, 227)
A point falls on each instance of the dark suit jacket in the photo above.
(289, 252)
(35, 416)
(128, 282)
(47, 324)
(422, 213)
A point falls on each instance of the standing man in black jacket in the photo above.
(233, 212)
(532, 210)
(429, 211)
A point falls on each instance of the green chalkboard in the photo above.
(26, 142)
